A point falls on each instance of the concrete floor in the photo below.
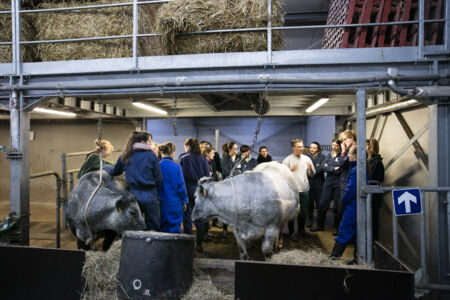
(43, 234)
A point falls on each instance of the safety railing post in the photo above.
(421, 28)
(269, 31)
(63, 186)
(369, 229)
(423, 239)
(58, 212)
(395, 234)
(135, 32)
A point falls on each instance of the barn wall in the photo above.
(276, 133)
(51, 139)
(405, 171)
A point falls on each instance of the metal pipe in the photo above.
(257, 80)
(28, 11)
(421, 34)
(383, 189)
(16, 32)
(63, 185)
(369, 229)
(448, 221)
(423, 240)
(135, 31)
(70, 181)
(361, 233)
(395, 234)
(83, 153)
(216, 139)
(58, 201)
(269, 31)
(420, 91)
(112, 37)
(387, 108)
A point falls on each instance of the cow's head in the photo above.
(127, 215)
(202, 198)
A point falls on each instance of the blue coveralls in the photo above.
(347, 229)
(172, 193)
(194, 167)
(143, 175)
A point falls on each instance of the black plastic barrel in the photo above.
(155, 265)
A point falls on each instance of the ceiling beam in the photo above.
(207, 100)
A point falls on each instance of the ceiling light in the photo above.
(54, 112)
(150, 108)
(317, 104)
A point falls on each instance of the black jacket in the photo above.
(318, 177)
(262, 159)
(375, 168)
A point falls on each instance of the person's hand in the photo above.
(184, 207)
(294, 167)
(326, 165)
(343, 147)
(336, 168)
(308, 164)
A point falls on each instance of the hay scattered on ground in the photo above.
(98, 22)
(311, 257)
(100, 273)
(179, 17)
(28, 52)
(203, 288)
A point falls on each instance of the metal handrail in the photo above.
(58, 201)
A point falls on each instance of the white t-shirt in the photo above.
(301, 174)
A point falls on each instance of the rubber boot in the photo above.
(301, 227)
(354, 261)
(200, 236)
(320, 223)
(336, 225)
(310, 222)
(337, 251)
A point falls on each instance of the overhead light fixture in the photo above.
(317, 104)
(54, 112)
(150, 108)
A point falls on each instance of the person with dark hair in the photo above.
(143, 175)
(209, 153)
(172, 191)
(331, 188)
(263, 155)
(375, 169)
(315, 180)
(248, 163)
(216, 156)
(301, 166)
(194, 167)
(229, 159)
(347, 229)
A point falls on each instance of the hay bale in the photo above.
(179, 17)
(149, 46)
(310, 257)
(203, 288)
(85, 23)
(100, 273)
(28, 52)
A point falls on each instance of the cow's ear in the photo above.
(120, 205)
(202, 190)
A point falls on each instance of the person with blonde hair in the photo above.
(143, 175)
(92, 161)
(172, 191)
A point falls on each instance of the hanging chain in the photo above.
(174, 122)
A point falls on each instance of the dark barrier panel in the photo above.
(259, 280)
(40, 273)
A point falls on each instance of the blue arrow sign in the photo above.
(407, 202)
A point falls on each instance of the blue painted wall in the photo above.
(276, 132)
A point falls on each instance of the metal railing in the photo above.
(58, 201)
(395, 243)
(17, 42)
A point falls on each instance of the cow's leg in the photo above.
(242, 247)
(269, 239)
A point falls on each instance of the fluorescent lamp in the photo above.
(54, 112)
(317, 104)
(150, 108)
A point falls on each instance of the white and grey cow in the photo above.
(112, 207)
(255, 204)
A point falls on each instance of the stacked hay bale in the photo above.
(178, 17)
(97, 22)
(149, 46)
(28, 52)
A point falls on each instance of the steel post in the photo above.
(269, 31)
(16, 32)
(421, 35)
(58, 212)
(70, 181)
(423, 240)
(216, 139)
(135, 32)
(369, 229)
(395, 234)
(64, 186)
(361, 235)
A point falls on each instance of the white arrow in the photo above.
(407, 198)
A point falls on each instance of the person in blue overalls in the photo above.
(143, 175)
(172, 191)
